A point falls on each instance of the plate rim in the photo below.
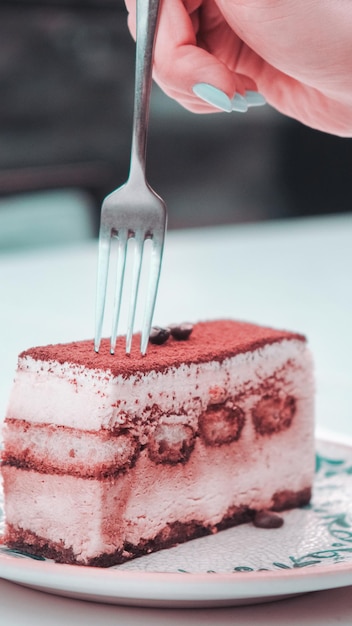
(150, 588)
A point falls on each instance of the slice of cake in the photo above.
(109, 457)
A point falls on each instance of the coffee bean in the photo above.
(159, 335)
(181, 331)
(267, 519)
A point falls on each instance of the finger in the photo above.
(295, 98)
(180, 63)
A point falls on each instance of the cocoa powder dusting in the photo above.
(267, 519)
(209, 341)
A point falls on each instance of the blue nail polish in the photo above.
(239, 103)
(213, 96)
(254, 99)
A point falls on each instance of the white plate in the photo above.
(244, 565)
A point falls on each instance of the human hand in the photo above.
(297, 53)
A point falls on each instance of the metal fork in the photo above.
(134, 210)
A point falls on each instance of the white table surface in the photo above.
(292, 274)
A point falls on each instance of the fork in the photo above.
(133, 210)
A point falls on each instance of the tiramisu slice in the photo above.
(109, 457)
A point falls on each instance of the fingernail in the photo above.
(254, 99)
(239, 103)
(213, 96)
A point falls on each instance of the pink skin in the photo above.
(297, 53)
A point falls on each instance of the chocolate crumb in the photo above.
(267, 519)
(181, 331)
(159, 335)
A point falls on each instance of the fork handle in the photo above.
(147, 16)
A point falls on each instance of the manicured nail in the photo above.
(254, 99)
(213, 96)
(239, 103)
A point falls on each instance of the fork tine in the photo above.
(154, 275)
(102, 281)
(134, 206)
(137, 266)
(120, 273)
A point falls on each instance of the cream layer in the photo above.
(94, 517)
(69, 395)
(54, 448)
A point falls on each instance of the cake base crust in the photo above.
(178, 532)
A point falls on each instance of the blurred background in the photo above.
(66, 75)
